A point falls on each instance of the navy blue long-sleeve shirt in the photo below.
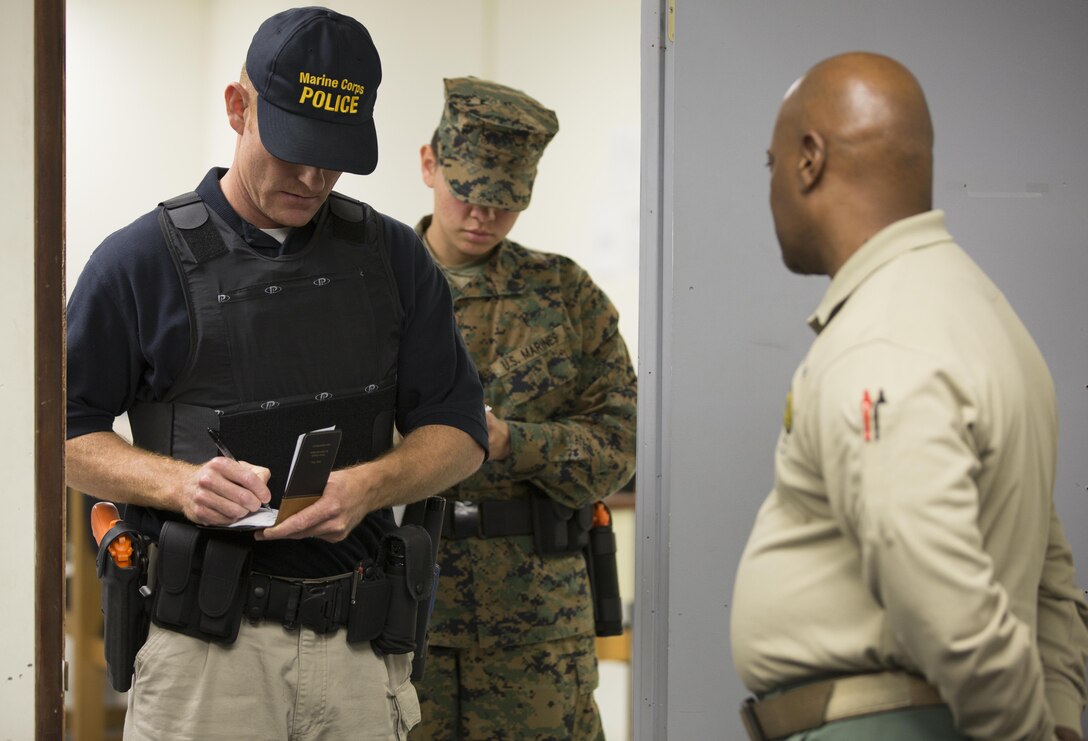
(128, 326)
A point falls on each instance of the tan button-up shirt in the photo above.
(911, 523)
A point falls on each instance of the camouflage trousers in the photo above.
(541, 691)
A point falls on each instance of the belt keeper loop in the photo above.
(339, 605)
(290, 617)
(258, 592)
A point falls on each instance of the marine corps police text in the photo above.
(344, 102)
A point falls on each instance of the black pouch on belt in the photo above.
(124, 606)
(604, 581)
(370, 590)
(200, 582)
(429, 514)
(405, 556)
(557, 528)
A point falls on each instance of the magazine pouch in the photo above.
(200, 582)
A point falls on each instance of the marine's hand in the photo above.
(498, 437)
(222, 490)
(1067, 734)
(332, 517)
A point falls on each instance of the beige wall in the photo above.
(17, 372)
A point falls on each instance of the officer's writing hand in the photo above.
(222, 490)
(1067, 734)
(498, 437)
(332, 517)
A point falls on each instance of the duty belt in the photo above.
(812, 705)
(318, 604)
(493, 518)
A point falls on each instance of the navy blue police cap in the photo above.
(316, 73)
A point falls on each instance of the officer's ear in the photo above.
(810, 168)
(428, 165)
(236, 98)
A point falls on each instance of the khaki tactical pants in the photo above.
(270, 684)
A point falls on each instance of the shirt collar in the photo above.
(212, 194)
(501, 274)
(905, 235)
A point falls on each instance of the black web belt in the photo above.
(318, 604)
(492, 518)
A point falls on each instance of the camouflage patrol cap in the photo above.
(490, 139)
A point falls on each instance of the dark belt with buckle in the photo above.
(492, 518)
(812, 705)
(318, 604)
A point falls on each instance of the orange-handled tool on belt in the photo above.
(122, 566)
(601, 516)
(104, 515)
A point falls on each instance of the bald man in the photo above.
(907, 577)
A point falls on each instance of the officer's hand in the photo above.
(1067, 734)
(498, 437)
(332, 517)
(222, 490)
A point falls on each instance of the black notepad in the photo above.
(311, 464)
(315, 454)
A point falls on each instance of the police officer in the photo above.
(263, 305)
(907, 577)
(512, 649)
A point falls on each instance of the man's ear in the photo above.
(236, 98)
(428, 165)
(813, 158)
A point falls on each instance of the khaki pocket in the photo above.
(403, 702)
(155, 636)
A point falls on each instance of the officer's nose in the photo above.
(483, 213)
(313, 178)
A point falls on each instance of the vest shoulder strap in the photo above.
(354, 220)
(347, 208)
(189, 215)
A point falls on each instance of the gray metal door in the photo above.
(722, 322)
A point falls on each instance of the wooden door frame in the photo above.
(49, 366)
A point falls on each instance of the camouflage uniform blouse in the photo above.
(545, 340)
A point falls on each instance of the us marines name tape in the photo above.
(517, 357)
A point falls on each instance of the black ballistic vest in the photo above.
(280, 346)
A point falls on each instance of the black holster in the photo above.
(604, 579)
(124, 606)
(558, 530)
(406, 557)
(430, 515)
